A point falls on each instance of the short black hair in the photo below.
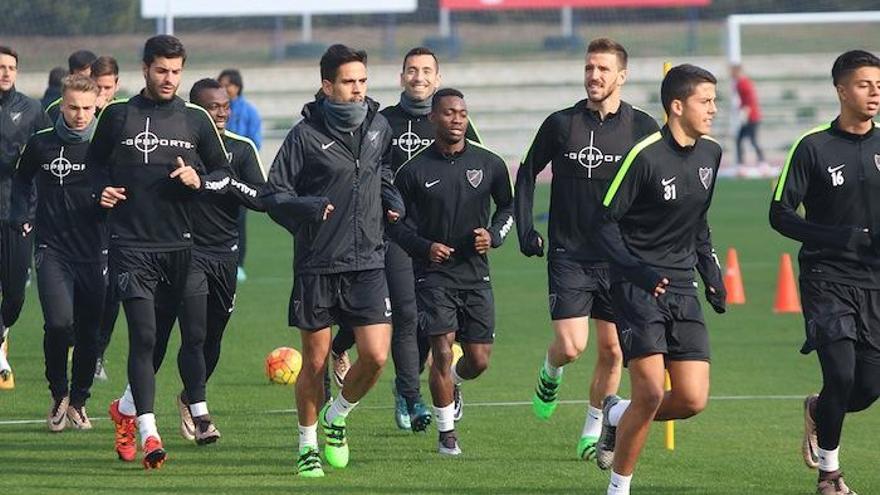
(105, 66)
(336, 56)
(420, 50)
(201, 85)
(443, 93)
(165, 46)
(56, 75)
(5, 50)
(681, 81)
(850, 61)
(234, 77)
(79, 60)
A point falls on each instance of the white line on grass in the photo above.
(467, 405)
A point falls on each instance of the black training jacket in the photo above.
(215, 210)
(316, 166)
(413, 133)
(654, 221)
(586, 153)
(20, 116)
(68, 220)
(836, 175)
(135, 146)
(446, 198)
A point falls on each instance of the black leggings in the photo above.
(72, 299)
(851, 383)
(140, 313)
(203, 318)
(15, 263)
(108, 321)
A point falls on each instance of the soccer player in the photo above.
(447, 190)
(329, 187)
(586, 144)
(834, 172)
(78, 63)
(20, 116)
(412, 131)
(139, 160)
(654, 229)
(244, 121)
(209, 298)
(53, 89)
(71, 255)
(105, 72)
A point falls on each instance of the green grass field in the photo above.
(747, 441)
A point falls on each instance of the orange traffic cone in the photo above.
(733, 281)
(787, 300)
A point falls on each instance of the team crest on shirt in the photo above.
(706, 177)
(15, 117)
(475, 177)
(877, 161)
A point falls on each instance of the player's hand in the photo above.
(328, 210)
(186, 175)
(660, 289)
(482, 240)
(112, 195)
(533, 245)
(392, 216)
(440, 252)
(717, 298)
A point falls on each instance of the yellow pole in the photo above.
(669, 437)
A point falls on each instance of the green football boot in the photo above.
(546, 397)
(586, 448)
(335, 445)
(309, 463)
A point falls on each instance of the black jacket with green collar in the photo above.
(654, 223)
(135, 146)
(585, 152)
(836, 176)
(447, 198)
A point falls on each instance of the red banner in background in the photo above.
(556, 4)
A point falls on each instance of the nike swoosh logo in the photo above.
(666, 182)
(429, 185)
(387, 314)
(325, 146)
(835, 169)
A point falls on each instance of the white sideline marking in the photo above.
(466, 405)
